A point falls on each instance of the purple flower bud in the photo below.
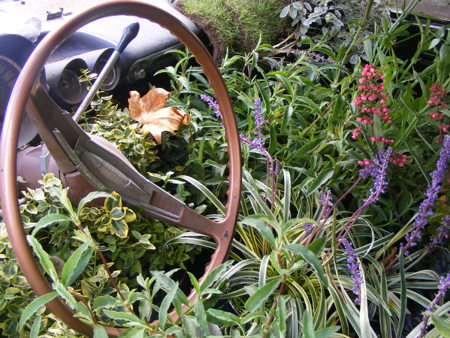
(308, 227)
(353, 266)
(442, 233)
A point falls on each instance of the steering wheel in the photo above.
(72, 148)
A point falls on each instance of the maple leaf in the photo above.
(149, 111)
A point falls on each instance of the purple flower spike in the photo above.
(326, 203)
(425, 208)
(378, 169)
(353, 266)
(258, 141)
(444, 284)
(213, 104)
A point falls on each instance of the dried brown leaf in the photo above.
(150, 112)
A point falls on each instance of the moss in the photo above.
(236, 24)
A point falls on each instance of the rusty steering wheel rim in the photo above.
(11, 128)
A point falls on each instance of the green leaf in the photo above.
(34, 333)
(194, 283)
(165, 304)
(258, 298)
(44, 258)
(222, 317)
(65, 294)
(311, 258)
(189, 326)
(306, 148)
(434, 43)
(203, 189)
(308, 325)
(76, 264)
(34, 306)
(281, 309)
(327, 332)
(134, 332)
(120, 228)
(403, 298)
(287, 196)
(442, 325)
(104, 302)
(212, 276)
(273, 140)
(257, 222)
(64, 199)
(115, 315)
(100, 332)
(48, 220)
(200, 314)
(90, 197)
(318, 245)
(319, 181)
(364, 321)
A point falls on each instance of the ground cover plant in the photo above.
(344, 221)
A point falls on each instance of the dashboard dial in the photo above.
(9, 71)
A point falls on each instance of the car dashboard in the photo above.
(89, 48)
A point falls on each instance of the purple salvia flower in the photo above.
(308, 227)
(325, 199)
(378, 170)
(277, 169)
(213, 104)
(258, 141)
(425, 208)
(443, 233)
(353, 266)
(444, 284)
(326, 203)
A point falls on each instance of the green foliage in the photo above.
(236, 24)
(113, 124)
(335, 22)
(288, 272)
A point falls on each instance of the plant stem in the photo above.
(108, 272)
(358, 32)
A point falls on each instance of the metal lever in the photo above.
(129, 33)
